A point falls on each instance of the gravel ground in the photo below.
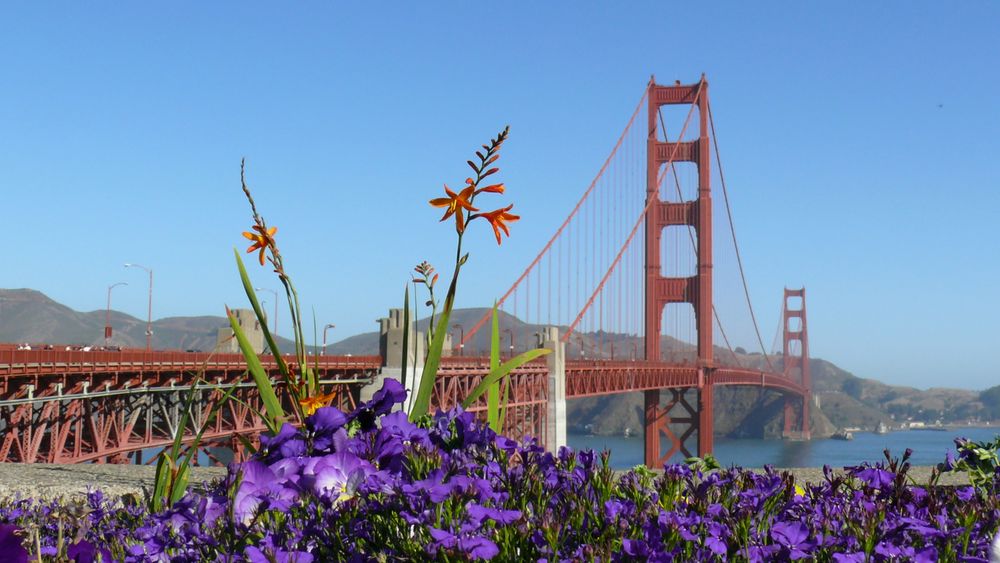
(48, 481)
(41, 480)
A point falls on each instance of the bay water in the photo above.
(929, 448)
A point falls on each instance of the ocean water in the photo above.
(929, 448)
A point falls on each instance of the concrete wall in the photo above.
(225, 342)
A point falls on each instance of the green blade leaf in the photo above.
(422, 402)
(494, 339)
(208, 420)
(505, 395)
(502, 370)
(406, 333)
(275, 414)
(251, 449)
(252, 296)
(162, 481)
(493, 391)
(179, 486)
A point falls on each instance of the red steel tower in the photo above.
(792, 363)
(697, 289)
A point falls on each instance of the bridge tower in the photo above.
(696, 290)
(796, 428)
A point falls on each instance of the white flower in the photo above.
(995, 551)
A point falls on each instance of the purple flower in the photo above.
(85, 552)
(323, 424)
(856, 557)
(336, 477)
(286, 443)
(478, 548)
(926, 555)
(432, 486)
(965, 494)
(875, 477)
(793, 536)
(255, 555)
(391, 394)
(260, 489)
(10, 545)
(635, 548)
(478, 513)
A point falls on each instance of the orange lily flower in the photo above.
(495, 188)
(455, 203)
(311, 404)
(261, 240)
(499, 218)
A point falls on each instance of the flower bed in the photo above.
(370, 486)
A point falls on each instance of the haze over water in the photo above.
(929, 448)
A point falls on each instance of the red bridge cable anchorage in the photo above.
(482, 321)
(642, 216)
(736, 247)
(690, 231)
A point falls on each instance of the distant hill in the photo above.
(30, 316)
(844, 400)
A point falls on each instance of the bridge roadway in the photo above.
(105, 406)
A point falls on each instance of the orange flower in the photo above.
(495, 188)
(262, 240)
(455, 203)
(312, 404)
(498, 219)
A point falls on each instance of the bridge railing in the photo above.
(35, 361)
(528, 403)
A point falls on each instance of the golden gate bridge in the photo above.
(625, 276)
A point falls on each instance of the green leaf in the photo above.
(493, 415)
(201, 431)
(406, 333)
(502, 370)
(421, 404)
(179, 486)
(275, 414)
(161, 481)
(251, 449)
(505, 397)
(494, 339)
(252, 296)
(422, 401)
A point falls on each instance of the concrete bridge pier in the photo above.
(555, 416)
(390, 347)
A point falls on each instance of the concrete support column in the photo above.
(555, 421)
(390, 347)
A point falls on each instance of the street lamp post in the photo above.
(149, 313)
(461, 338)
(274, 331)
(511, 333)
(107, 315)
(323, 352)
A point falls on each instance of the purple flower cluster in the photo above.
(373, 486)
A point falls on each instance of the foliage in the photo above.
(302, 386)
(372, 486)
(981, 460)
(170, 481)
(460, 206)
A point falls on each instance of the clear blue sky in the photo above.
(860, 142)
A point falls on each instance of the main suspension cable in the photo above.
(732, 231)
